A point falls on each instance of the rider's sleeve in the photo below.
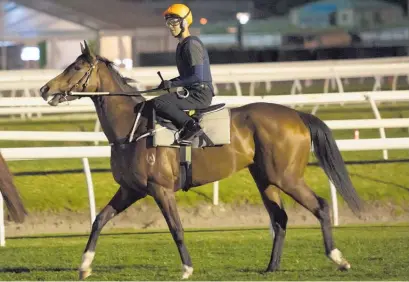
(194, 57)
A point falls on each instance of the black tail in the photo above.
(9, 192)
(330, 159)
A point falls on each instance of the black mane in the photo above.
(119, 78)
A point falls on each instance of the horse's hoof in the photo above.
(84, 273)
(187, 271)
(345, 266)
(336, 256)
(271, 269)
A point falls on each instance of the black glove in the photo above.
(165, 84)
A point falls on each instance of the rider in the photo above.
(193, 64)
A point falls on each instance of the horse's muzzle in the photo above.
(44, 92)
(51, 99)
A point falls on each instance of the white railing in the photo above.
(29, 81)
(13, 106)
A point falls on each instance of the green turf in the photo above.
(375, 253)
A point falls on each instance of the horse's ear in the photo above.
(82, 48)
(88, 51)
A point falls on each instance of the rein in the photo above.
(130, 93)
(179, 90)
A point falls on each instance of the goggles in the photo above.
(173, 21)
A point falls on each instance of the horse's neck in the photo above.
(116, 113)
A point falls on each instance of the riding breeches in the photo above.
(171, 106)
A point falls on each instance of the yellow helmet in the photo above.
(179, 10)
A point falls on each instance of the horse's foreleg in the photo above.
(123, 198)
(165, 198)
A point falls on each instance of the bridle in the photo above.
(86, 76)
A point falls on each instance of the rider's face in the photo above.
(174, 25)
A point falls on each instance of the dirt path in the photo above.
(204, 216)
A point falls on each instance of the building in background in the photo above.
(356, 14)
(132, 32)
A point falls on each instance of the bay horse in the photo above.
(10, 194)
(272, 141)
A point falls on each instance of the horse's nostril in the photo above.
(44, 89)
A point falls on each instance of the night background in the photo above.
(283, 6)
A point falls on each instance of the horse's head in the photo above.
(80, 76)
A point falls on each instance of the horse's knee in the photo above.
(100, 220)
(98, 223)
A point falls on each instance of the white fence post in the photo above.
(334, 201)
(340, 86)
(378, 116)
(377, 86)
(238, 88)
(2, 229)
(97, 128)
(296, 87)
(90, 187)
(216, 193)
(252, 88)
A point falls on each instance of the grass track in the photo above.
(375, 253)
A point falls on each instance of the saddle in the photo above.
(215, 122)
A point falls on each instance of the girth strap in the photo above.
(185, 167)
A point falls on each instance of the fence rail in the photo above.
(22, 106)
(29, 81)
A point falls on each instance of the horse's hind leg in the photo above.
(165, 198)
(123, 198)
(278, 216)
(319, 207)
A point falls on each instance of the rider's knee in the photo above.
(159, 103)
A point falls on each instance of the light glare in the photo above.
(30, 54)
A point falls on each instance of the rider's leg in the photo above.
(171, 106)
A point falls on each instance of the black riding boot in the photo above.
(191, 130)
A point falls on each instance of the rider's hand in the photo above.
(166, 84)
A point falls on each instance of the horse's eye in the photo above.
(77, 68)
